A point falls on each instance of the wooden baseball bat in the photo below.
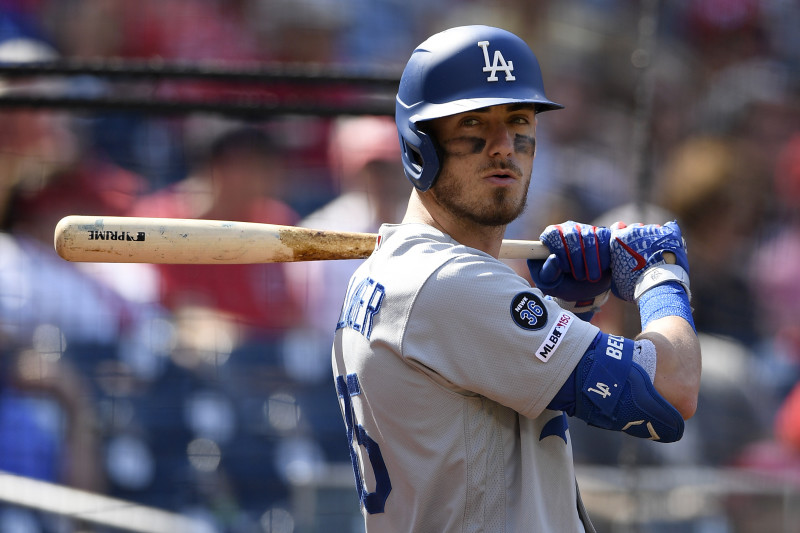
(193, 241)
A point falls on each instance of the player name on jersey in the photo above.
(361, 304)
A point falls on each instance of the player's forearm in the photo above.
(678, 362)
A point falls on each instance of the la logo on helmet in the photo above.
(499, 63)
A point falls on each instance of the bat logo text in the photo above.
(108, 235)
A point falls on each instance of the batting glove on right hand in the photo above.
(638, 259)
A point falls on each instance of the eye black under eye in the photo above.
(525, 144)
(465, 145)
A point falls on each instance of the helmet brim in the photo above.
(432, 111)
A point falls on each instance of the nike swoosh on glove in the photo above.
(638, 247)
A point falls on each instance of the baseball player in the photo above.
(455, 377)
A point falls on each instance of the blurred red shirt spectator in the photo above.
(239, 179)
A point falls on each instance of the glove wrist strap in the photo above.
(658, 274)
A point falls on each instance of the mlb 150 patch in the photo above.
(528, 311)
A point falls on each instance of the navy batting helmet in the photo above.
(457, 70)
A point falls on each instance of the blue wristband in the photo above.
(667, 299)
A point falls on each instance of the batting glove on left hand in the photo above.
(639, 261)
(577, 273)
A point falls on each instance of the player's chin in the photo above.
(504, 209)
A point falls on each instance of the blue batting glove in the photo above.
(637, 249)
(553, 282)
(577, 273)
(581, 250)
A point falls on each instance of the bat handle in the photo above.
(514, 249)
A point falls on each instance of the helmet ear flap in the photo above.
(421, 159)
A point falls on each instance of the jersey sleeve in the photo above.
(478, 328)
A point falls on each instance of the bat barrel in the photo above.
(192, 241)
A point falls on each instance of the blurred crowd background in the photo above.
(207, 391)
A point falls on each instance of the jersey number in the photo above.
(373, 502)
(532, 313)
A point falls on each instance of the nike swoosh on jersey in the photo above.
(640, 261)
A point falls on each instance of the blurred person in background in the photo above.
(231, 323)
(63, 325)
(72, 324)
(774, 279)
(239, 177)
(152, 380)
(48, 170)
(717, 193)
(49, 431)
(363, 156)
(776, 284)
(48, 422)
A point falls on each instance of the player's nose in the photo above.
(501, 140)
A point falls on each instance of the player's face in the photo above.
(486, 163)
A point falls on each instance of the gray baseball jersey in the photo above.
(445, 361)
